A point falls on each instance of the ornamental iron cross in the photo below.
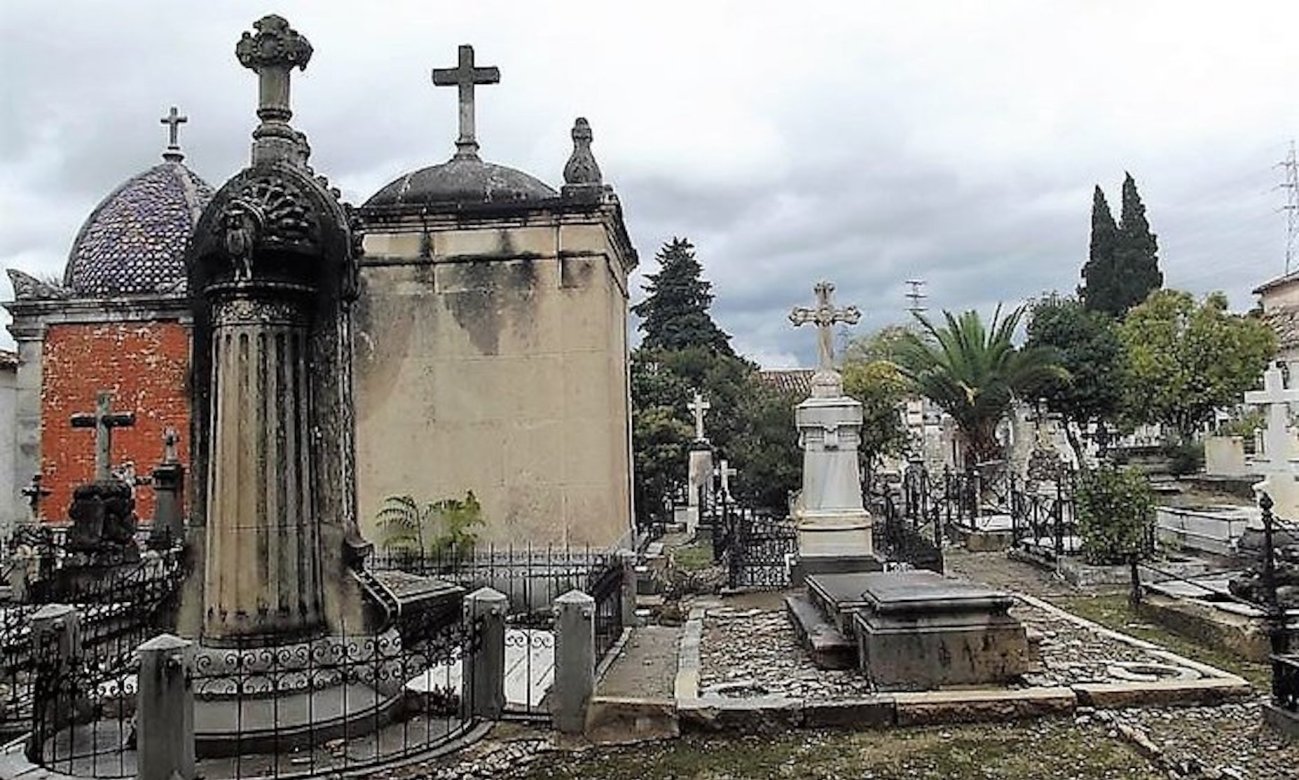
(824, 316)
(699, 406)
(466, 76)
(103, 420)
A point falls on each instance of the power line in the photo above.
(1290, 168)
(916, 295)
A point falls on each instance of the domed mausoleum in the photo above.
(119, 322)
(491, 343)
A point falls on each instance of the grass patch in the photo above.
(693, 557)
(1020, 751)
(1113, 611)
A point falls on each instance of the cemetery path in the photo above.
(996, 570)
(647, 666)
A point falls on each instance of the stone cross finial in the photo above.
(699, 406)
(1275, 398)
(170, 438)
(824, 316)
(466, 76)
(103, 420)
(582, 171)
(273, 53)
(174, 120)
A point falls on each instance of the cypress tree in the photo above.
(674, 314)
(1101, 279)
(1137, 258)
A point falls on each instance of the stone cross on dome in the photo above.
(174, 120)
(103, 420)
(466, 76)
(824, 315)
(699, 406)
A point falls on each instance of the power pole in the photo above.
(1290, 183)
(916, 296)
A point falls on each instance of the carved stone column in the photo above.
(263, 554)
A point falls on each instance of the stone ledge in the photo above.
(1163, 693)
(1283, 721)
(870, 712)
(686, 685)
(982, 705)
(758, 715)
(622, 720)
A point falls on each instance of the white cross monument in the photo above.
(700, 474)
(834, 528)
(1279, 461)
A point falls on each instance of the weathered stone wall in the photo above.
(11, 511)
(145, 365)
(493, 358)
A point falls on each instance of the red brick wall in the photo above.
(145, 366)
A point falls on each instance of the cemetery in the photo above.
(388, 491)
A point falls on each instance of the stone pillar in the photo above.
(168, 506)
(700, 474)
(834, 528)
(263, 571)
(483, 680)
(574, 661)
(56, 648)
(628, 560)
(164, 714)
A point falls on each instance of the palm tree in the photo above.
(973, 372)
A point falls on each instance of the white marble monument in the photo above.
(834, 528)
(1279, 461)
(699, 478)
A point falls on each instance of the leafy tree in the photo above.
(1137, 259)
(871, 377)
(1184, 359)
(674, 314)
(766, 452)
(1089, 349)
(973, 372)
(1116, 510)
(1100, 287)
(660, 436)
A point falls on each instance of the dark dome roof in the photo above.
(134, 241)
(462, 180)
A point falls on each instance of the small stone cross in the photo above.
(103, 420)
(174, 120)
(170, 438)
(1275, 398)
(699, 406)
(824, 316)
(35, 493)
(724, 473)
(466, 76)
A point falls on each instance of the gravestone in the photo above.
(1278, 463)
(834, 528)
(168, 527)
(700, 474)
(1224, 456)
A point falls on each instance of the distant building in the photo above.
(795, 381)
(1279, 299)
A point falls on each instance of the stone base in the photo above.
(985, 541)
(1284, 721)
(824, 642)
(839, 564)
(918, 630)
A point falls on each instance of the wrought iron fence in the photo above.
(1285, 682)
(606, 589)
(758, 550)
(905, 539)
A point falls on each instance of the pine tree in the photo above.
(1138, 255)
(1101, 278)
(674, 314)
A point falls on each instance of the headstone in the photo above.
(1224, 456)
(169, 490)
(833, 526)
(574, 661)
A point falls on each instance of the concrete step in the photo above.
(828, 647)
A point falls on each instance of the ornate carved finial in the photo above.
(29, 288)
(466, 76)
(174, 120)
(581, 172)
(273, 53)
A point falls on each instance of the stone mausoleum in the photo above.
(490, 344)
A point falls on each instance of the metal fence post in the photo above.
(574, 660)
(483, 681)
(165, 709)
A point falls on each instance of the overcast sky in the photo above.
(863, 142)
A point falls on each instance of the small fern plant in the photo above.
(433, 527)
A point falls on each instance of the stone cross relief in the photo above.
(1275, 398)
(466, 76)
(699, 406)
(103, 420)
(824, 315)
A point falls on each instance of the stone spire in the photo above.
(466, 76)
(273, 53)
(581, 173)
(174, 120)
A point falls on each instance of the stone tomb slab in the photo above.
(917, 630)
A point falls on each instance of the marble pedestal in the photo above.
(700, 474)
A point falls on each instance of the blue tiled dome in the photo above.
(134, 241)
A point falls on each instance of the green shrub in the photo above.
(1185, 458)
(1116, 511)
(434, 527)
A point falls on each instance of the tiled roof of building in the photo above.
(134, 241)
(1284, 321)
(790, 380)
